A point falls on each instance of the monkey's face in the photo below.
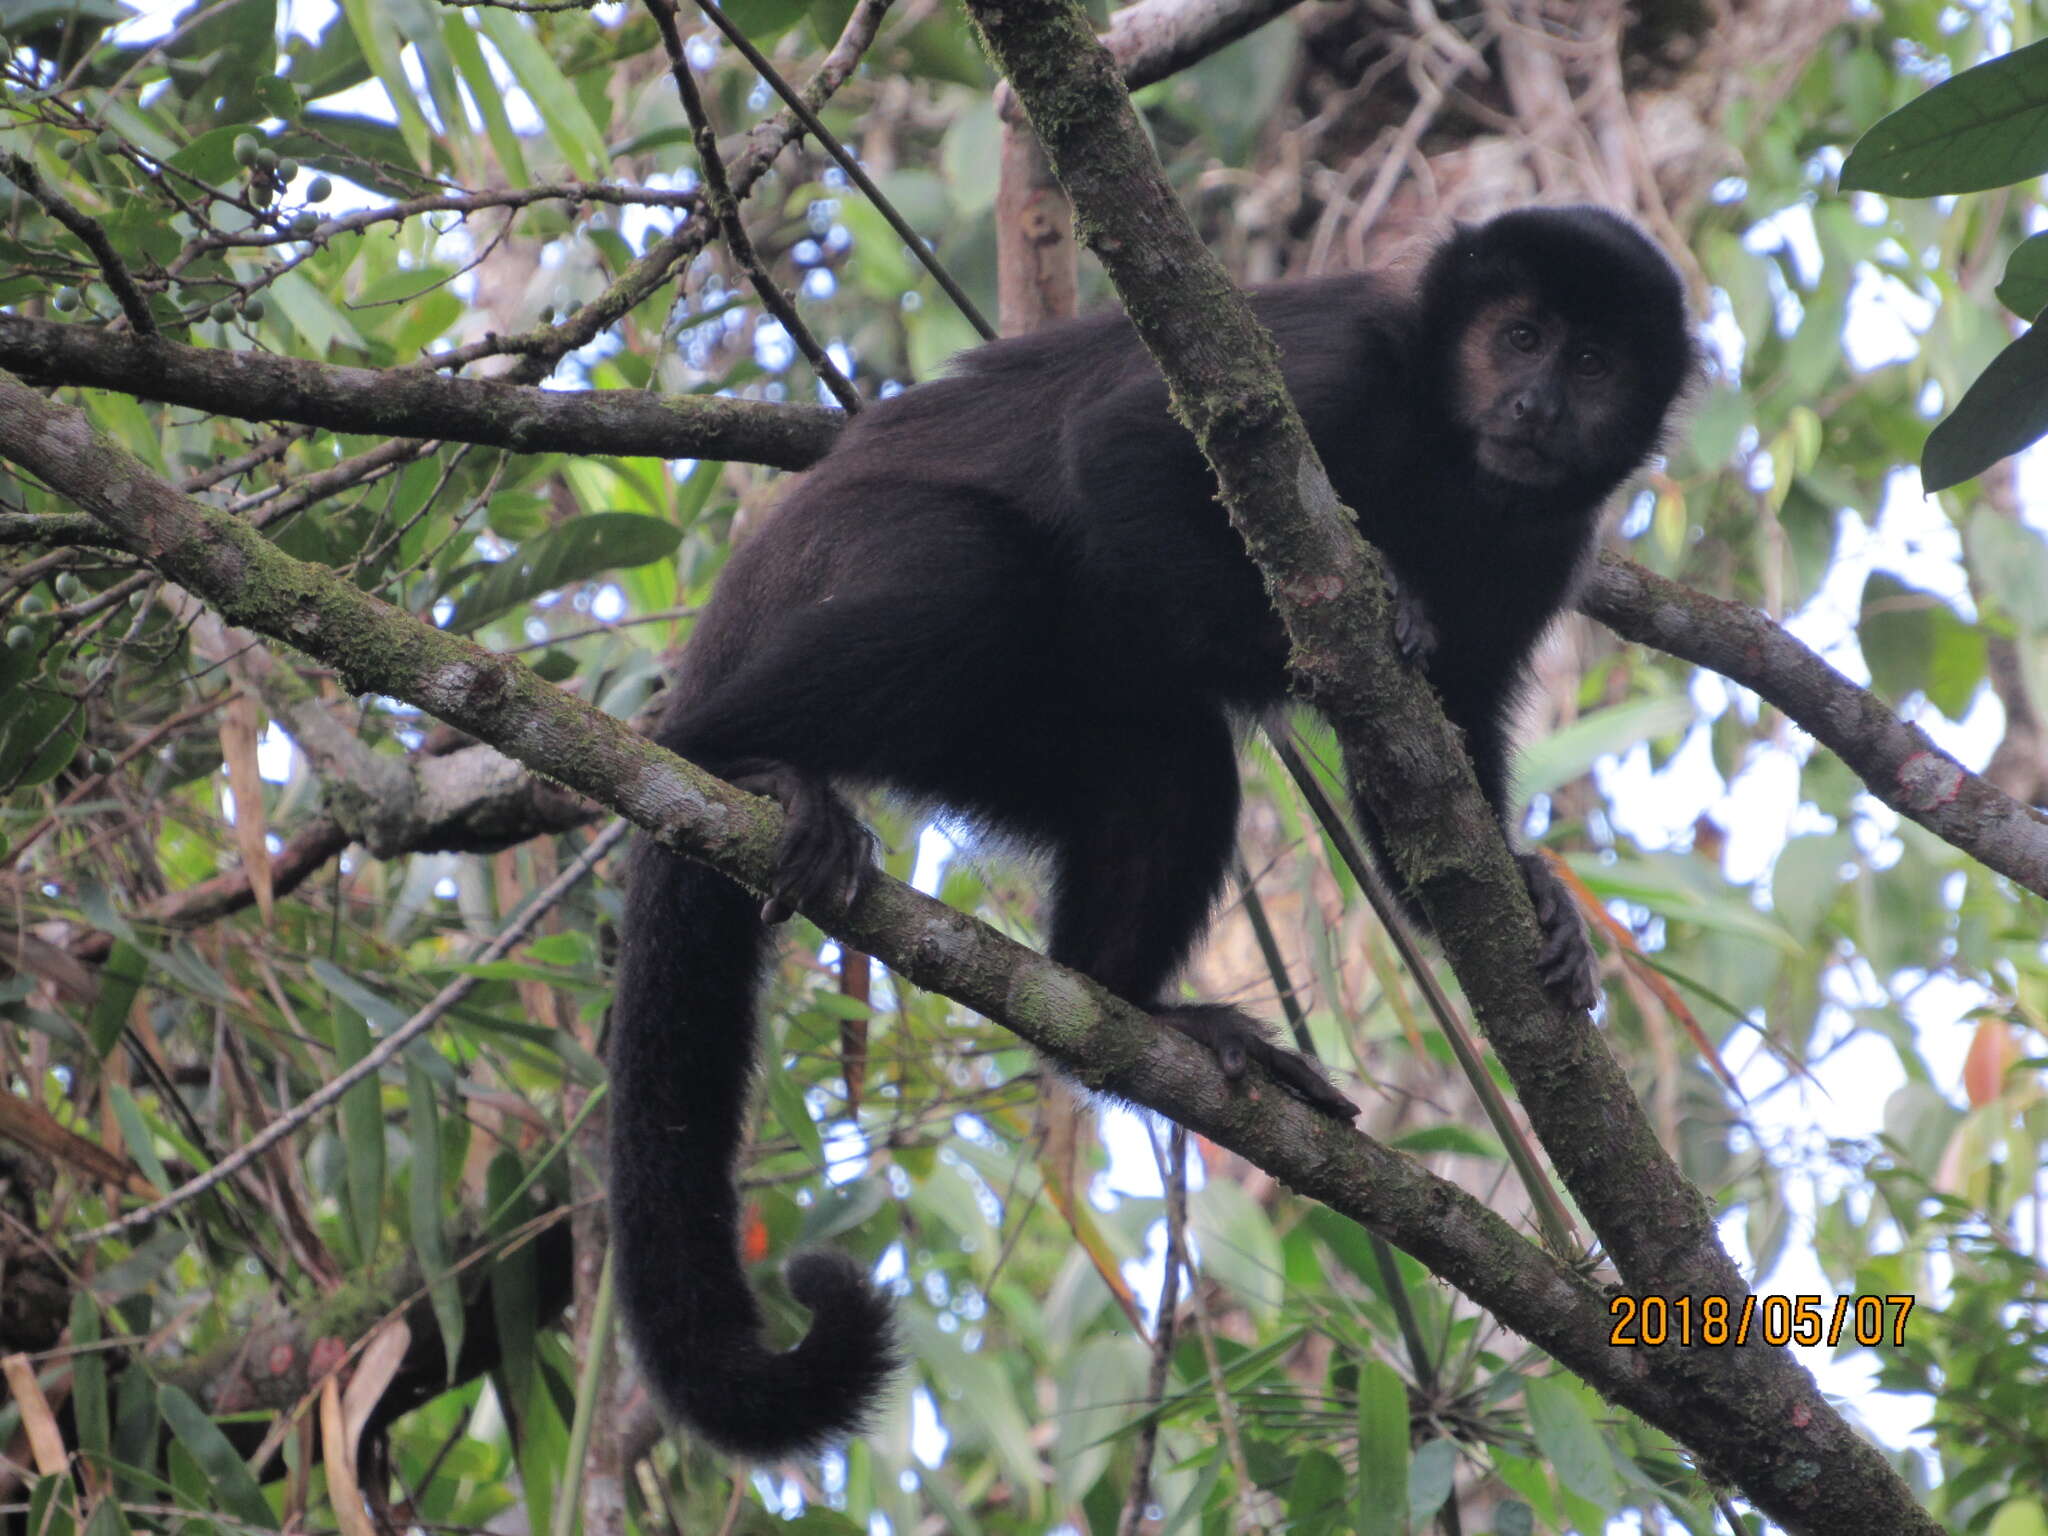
(1541, 397)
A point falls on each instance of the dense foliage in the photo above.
(516, 191)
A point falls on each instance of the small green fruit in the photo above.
(319, 189)
(21, 638)
(70, 588)
(33, 604)
(109, 142)
(287, 168)
(246, 147)
(305, 222)
(65, 299)
(101, 761)
(253, 307)
(266, 160)
(138, 601)
(67, 149)
(223, 311)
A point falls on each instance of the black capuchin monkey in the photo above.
(1011, 591)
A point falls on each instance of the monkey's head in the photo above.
(1562, 342)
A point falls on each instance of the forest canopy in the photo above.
(383, 390)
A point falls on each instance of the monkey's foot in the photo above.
(1566, 962)
(824, 853)
(1234, 1037)
(1415, 633)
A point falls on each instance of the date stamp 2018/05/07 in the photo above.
(1653, 1321)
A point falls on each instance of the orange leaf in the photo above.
(240, 725)
(44, 1440)
(1992, 1052)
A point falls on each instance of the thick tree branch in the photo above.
(1754, 1412)
(1896, 761)
(1157, 38)
(416, 403)
(1102, 1040)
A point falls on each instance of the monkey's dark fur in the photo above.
(1011, 591)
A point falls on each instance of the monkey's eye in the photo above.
(1589, 364)
(1524, 337)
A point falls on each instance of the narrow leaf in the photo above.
(429, 1236)
(1382, 1451)
(577, 137)
(234, 1490)
(362, 1132)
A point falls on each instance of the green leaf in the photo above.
(2010, 562)
(107, 1520)
(515, 1282)
(575, 135)
(377, 34)
(136, 1132)
(1448, 1137)
(327, 64)
(2019, 1517)
(1570, 1440)
(234, 1490)
(120, 978)
(39, 733)
(765, 20)
(489, 97)
(1566, 754)
(136, 1274)
(2024, 288)
(786, 1099)
(879, 264)
(210, 157)
(429, 1236)
(89, 1381)
(50, 1506)
(1987, 127)
(2004, 411)
(1915, 643)
(1430, 1476)
(1382, 1451)
(1315, 1499)
(1239, 1247)
(602, 541)
(973, 143)
(362, 1131)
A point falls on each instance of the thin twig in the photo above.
(386, 1051)
(23, 174)
(725, 209)
(1173, 1174)
(1559, 1230)
(541, 349)
(848, 164)
(1249, 1494)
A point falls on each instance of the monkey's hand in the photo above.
(1566, 961)
(1234, 1037)
(824, 851)
(1415, 633)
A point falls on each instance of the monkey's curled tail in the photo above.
(682, 1057)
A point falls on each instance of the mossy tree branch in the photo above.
(1752, 1412)
(1101, 1040)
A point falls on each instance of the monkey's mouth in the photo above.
(1518, 459)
